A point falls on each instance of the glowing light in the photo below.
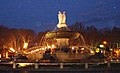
(97, 50)
(102, 51)
(13, 50)
(24, 64)
(53, 46)
(36, 50)
(117, 51)
(101, 46)
(45, 47)
(25, 45)
(92, 52)
(111, 49)
(111, 60)
(0, 57)
(82, 48)
(49, 47)
(104, 42)
(117, 60)
(73, 48)
(42, 49)
(6, 54)
(24, 52)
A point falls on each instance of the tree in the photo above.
(115, 35)
(106, 34)
(4, 31)
(78, 26)
(92, 35)
(25, 36)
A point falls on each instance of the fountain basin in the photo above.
(62, 34)
(35, 56)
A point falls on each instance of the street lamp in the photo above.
(97, 50)
(73, 48)
(105, 42)
(82, 48)
(101, 46)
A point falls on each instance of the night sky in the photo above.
(41, 15)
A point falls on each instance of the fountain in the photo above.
(62, 34)
(63, 43)
(64, 40)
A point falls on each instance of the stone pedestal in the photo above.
(36, 66)
(14, 65)
(86, 65)
(61, 65)
(108, 64)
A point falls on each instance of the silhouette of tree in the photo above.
(78, 26)
(4, 36)
(25, 36)
(115, 36)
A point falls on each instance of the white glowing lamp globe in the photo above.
(73, 48)
(101, 46)
(53, 46)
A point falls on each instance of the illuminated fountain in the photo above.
(69, 44)
(63, 34)
(62, 42)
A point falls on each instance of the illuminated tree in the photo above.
(26, 36)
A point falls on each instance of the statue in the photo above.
(62, 18)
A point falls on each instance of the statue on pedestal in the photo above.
(61, 17)
(62, 20)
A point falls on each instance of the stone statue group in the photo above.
(62, 18)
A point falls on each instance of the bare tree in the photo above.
(25, 35)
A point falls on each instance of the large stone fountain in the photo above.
(59, 43)
(62, 34)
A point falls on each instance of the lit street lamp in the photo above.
(101, 46)
(105, 42)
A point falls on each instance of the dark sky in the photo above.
(41, 15)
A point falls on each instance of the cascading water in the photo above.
(61, 38)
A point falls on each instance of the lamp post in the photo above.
(105, 42)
